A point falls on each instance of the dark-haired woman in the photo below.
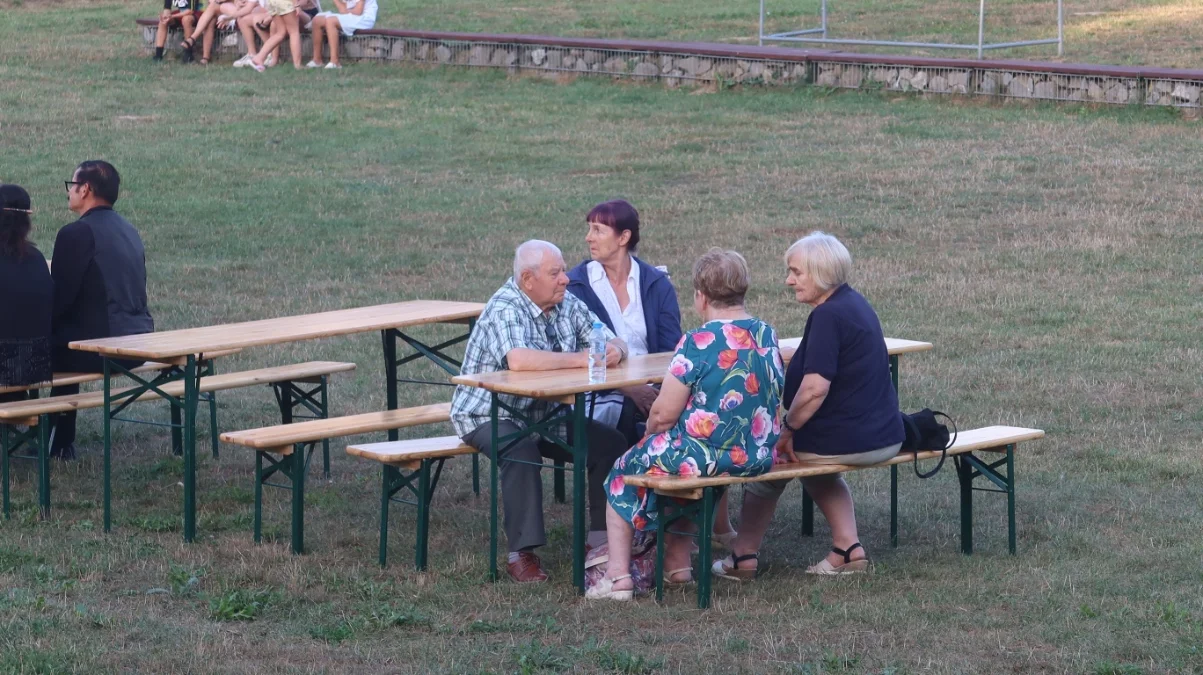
(637, 301)
(28, 298)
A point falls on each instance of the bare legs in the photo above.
(833, 498)
(332, 29)
(292, 30)
(319, 23)
(619, 534)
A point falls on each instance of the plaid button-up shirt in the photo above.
(511, 320)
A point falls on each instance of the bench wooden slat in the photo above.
(411, 452)
(967, 441)
(22, 411)
(63, 379)
(281, 438)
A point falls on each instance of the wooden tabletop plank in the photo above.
(647, 369)
(179, 343)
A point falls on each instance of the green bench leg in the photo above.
(293, 466)
(213, 430)
(1011, 543)
(177, 430)
(965, 479)
(290, 397)
(476, 475)
(494, 488)
(258, 497)
(808, 514)
(5, 444)
(557, 482)
(705, 528)
(44, 466)
(325, 408)
(893, 506)
(391, 476)
(423, 525)
(298, 469)
(421, 485)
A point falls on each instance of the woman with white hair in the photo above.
(840, 407)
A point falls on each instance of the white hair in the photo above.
(529, 255)
(823, 258)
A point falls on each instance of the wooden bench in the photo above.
(287, 450)
(702, 492)
(423, 459)
(35, 413)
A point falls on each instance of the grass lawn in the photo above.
(1050, 253)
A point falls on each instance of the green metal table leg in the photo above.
(557, 482)
(893, 506)
(190, 401)
(5, 441)
(706, 525)
(108, 446)
(493, 489)
(258, 497)
(44, 466)
(390, 474)
(324, 403)
(808, 514)
(297, 473)
(580, 450)
(389, 337)
(423, 516)
(965, 478)
(1011, 543)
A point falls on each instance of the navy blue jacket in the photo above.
(661, 312)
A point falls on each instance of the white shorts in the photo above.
(349, 23)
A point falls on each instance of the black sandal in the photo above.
(734, 573)
(186, 46)
(850, 566)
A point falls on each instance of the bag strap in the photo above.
(943, 453)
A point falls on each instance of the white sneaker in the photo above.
(333, 66)
(243, 62)
(313, 64)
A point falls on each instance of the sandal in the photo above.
(669, 582)
(186, 55)
(733, 571)
(850, 566)
(604, 590)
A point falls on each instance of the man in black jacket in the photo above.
(99, 269)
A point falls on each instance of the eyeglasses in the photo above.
(68, 183)
(552, 338)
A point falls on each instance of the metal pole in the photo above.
(760, 38)
(823, 14)
(1060, 28)
(299, 469)
(5, 430)
(388, 474)
(706, 523)
(981, 26)
(258, 525)
(389, 337)
(191, 393)
(44, 465)
(493, 490)
(423, 515)
(1011, 498)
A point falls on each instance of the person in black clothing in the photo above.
(99, 283)
(28, 298)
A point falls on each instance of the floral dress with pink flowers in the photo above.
(728, 427)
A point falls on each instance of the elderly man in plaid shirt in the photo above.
(532, 324)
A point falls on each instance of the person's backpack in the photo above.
(924, 432)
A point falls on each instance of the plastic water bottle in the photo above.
(597, 353)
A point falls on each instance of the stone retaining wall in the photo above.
(690, 64)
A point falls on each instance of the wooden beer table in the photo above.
(187, 349)
(570, 387)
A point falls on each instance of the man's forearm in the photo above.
(537, 359)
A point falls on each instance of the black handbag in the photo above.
(925, 432)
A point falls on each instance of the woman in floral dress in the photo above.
(716, 415)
